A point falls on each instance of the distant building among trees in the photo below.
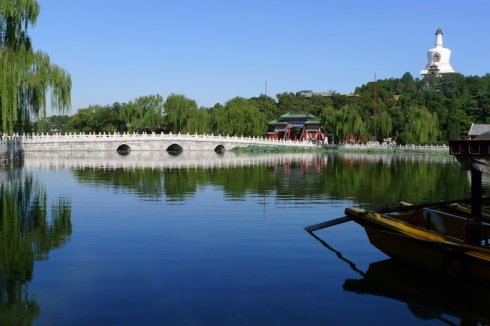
(296, 126)
(322, 94)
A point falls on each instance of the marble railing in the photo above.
(145, 142)
(94, 137)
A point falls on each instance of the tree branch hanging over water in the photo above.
(26, 76)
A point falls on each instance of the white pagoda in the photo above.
(438, 58)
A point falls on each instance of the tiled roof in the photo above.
(477, 129)
(297, 115)
(313, 121)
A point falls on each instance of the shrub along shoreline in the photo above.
(287, 149)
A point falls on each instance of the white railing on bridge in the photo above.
(97, 137)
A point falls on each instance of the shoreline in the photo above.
(426, 150)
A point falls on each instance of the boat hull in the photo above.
(424, 248)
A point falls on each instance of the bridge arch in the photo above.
(175, 148)
(220, 149)
(123, 149)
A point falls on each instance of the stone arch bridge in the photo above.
(126, 142)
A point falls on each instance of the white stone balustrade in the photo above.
(113, 141)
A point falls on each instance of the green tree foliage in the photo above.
(408, 110)
(349, 121)
(179, 109)
(328, 117)
(199, 122)
(267, 105)
(455, 101)
(26, 76)
(97, 119)
(366, 179)
(295, 102)
(421, 126)
(144, 114)
(239, 117)
(28, 231)
(382, 125)
(52, 124)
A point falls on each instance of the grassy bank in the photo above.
(288, 149)
(277, 149)
(386, 151)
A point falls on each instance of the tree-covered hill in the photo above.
(414, 111)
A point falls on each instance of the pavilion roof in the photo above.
(477, 129)
(275, 122)
(313, 122)
(297, 115)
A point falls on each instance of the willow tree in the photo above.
(143, 114)
(26, 76)
(179, 109)
(328, 116)
(382, 125)
(239, 117)
(421, 126)
(199, 122)
(349, 122)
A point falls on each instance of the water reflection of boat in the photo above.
(427, 296)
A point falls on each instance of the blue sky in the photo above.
(212, 51)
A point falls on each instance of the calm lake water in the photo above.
(209, 239)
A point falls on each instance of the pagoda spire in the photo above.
(439, 38)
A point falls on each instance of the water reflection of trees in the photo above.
(386, 180)
(236, 181)
(27, 233)
(386, 183)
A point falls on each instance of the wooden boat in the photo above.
(450, 237)
(430, 237)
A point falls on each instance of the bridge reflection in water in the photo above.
(371, 179)
(195, 159)
(163, 160)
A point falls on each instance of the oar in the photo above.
(424, 205)
(327, 224)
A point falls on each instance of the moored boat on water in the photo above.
(430, 237)
(447, 236)
(450, 237)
